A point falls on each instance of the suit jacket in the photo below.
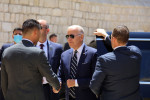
(3, 48)
(23, 67)
(85, 70)
(54, 55)
(116, 75)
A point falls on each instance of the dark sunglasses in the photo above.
(71, 36)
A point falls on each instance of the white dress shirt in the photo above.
(79, 51)
(44, 47)
(46, 53)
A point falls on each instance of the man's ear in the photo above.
(82, 36)
(13, 36)
(48, 30)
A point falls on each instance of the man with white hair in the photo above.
(77, 66)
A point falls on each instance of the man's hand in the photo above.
(56, 91)
(100, 32)
(70, 83)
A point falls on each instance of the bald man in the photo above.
(53, 52)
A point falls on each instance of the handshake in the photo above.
(70, 83)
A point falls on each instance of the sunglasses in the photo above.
(71, 36)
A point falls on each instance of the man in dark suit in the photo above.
(77, 66)
(24, 65)
(53, 53)
(17, 36)
(116, 75)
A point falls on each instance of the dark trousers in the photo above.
(48, 92)
(1, 94)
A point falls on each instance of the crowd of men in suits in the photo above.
(34, 68)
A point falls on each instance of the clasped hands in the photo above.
(70, 83)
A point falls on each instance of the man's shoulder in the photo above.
(7, 45)
(56, 45)
(134, 49)
(108, 56)
(90, 49)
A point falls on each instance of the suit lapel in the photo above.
(49, 50)
(68, 59)
(82, 58)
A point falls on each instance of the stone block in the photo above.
(1, 16)
(41, 3)
(86, 30)
(68, 12)
(51, 3)
(0, 26)
(92, 23)
(60, 29)
(1, 37)
(78, 14)
(15, 8)
(43, 11)
(28, 9)
(63, 21)
(88, 39)
(12, 17)
(14, 1)
(95, 8)
(65, 4)
(84, 7)
(24, 2)
(24, 9)
(47, 18)
(35, 10)
(5, 36)
(6, 27)
(4, 1)
(90, 31)
(7, 17)
(55, 29)
(77, 5)
(57, 12)
(1, 7)
(49, 11)
(5, 7)
(92, 16)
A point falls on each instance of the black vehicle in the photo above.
(141, 40)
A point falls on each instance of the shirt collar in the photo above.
(119, 47)
(38, 44)
(27, 40)
(80, 49)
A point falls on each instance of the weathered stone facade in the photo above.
(90, 14)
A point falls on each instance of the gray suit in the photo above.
(23, 67)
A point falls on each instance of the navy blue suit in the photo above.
(54, 55)
(116, 75)
(1, 52)
(85, 70)
(54, 51)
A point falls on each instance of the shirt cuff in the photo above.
(106, 37)
(76, 83)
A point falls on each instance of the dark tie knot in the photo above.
(41, 46)
(75, 51)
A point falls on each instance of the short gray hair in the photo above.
(81, 30)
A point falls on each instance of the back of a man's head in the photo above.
(29, 25)
(121, 33)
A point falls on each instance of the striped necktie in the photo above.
(73, 70)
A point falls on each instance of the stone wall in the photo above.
(90, 14)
